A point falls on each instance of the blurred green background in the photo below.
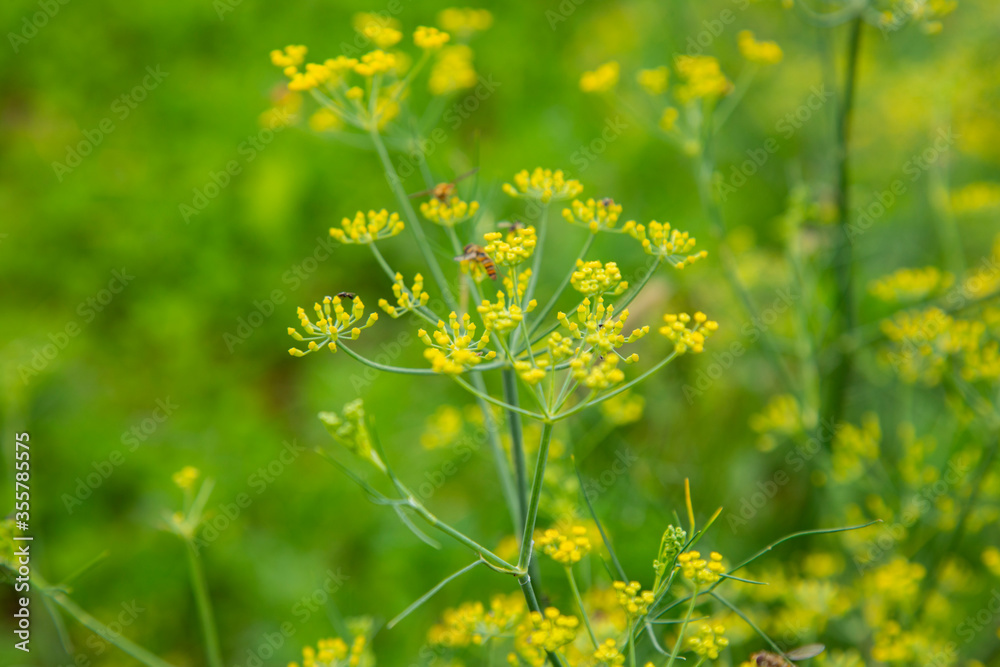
(162, 340)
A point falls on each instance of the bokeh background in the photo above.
(167, 337)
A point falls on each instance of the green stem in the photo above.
(516, 444)
(625, 387)
(486, 397)
(208, 629)
(510, 494)
(536, 494)
(680, 634)
(540, 317)
(579, 602)
(488, 556)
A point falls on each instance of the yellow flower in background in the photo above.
(324, 120)
(594, 277)
(853, 446)
(430, 38)
(462, 21)
(602, 79)
(333, 322)
(975, 197)
(545, 185)
(541, 632)
(906, 285)
(450, 213)
(511, 248)
(335, 652)
(368, 227)
(442, 428)
(654, 81)
(375, 62)
(596, 215)
(624, 408)
(383, 31)
(781, 415)
(702, 77)
(186, 477)
(407, 299)
(472, 624)
(290, 56)
(452, 70)
(763, 53)
(608, 653)
(668, 119)
(686, 338)
(708, 640)
(565, 549)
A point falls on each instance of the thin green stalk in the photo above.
(383, 367)
(211, 635)
(536, 494)
(539, 318)
(507, 485)
(429, 594)
(631, 645)
(536, 264)
(579, 602)
(516, 444)
(680, 634)
(625, 387)
(488, 556)
(495, 401)
(114, 638)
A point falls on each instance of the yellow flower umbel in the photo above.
(633, 599)
(708, 640)
(471, 624)
(544, 185)
(506, 313)
(762, 53)
(908, 285)
(539, 633)
(596, 215)
(448, 214)
(186, 477)
(602, 79)
(687, 338)
(351, 430)
(608, 654)
(335, 652)
(661, 240)
(592, 344)
(593, 278)
(375, 62)
(853, 446)
(452, 70)
(430, 38)
(699, 570)
(383, 31)
(333, 322)
(464, 21)
(406, 299)
(654, 81)
(512, 248)
(290, 56)
(368, 227)
(701, 77)
(454, 347)
(975, 197)
(564, 549)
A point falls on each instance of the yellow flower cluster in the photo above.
(465, 20)
(452, 70)
(763, 53)
(668, 119)
(687, 338)
(635, 601)
(624, 408)
(351, 430)
(430, 38)
(336, 653)
(661, 240)
(186, 477)
(290, 56)
(853, 446)
(473, 624)
(654, 81)
(595, 215)
(368, 227)
(450, 213)
(602, 79)
(406, 299)
(699, 570)
(907, 285)
(376, 62)
(383, 31)
(608, 654)
(544, 185)
(333, 322)
(442, 427)
(708, 640)
(506, 313)
(454, 347)
(975, 197)
(562, 548)
(702, 77)
(781, 415)
(541, 632)
(593, 278)
(512, 248)
(595, 327)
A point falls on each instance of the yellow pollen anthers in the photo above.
(462, 21)
(383, 31)
(406, 299)
(375, 62)
(290, 56)
(701, 77)
(545, 185)
(593, 278)
(333, 322)
(763, 53)
(602, 79)
(512, 248)
(661, 240)
(562, 548)
(351, 430)
(708, 640)
(506, 313)
(688, 338)
(654, 81)
(699, 570)
(541, 632)
(633, 599)
(592, 344)
(607, 653)
(454, 347)
(599, 215)
(430, 38)
(452, 70)
(448, 214)
(908, 285)
(186, 477)
(368, 227)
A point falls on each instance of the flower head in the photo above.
(593, 278)
(430, 38)
(507, 312)
(541, 632)
(368, 227)
(186, 477)
(699, 570)
(544, 185)
(764, 53)
(595, 215)
(375, 62)
(654, 81)
(452, 70)
(701, 77)
(602, 79)
(594, 336)
(908, 285)
(464, 20)
(708, 640)
(510, 248)
(563, 548)
(454, 347)
(633, 599)
(450, 213)
(661, 240)
(333, 322)
(407, 299)
(383, 31)
(685, 337)
(670, 546)
(290, 56)
(607, 653)
(335, 652)
(351, 430)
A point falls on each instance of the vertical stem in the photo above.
(536, 493)
(507, 487)
(579, 603)
(516, 444)
(208, 629)
(680, 634)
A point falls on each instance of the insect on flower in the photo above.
(443, 191)
(350, 296)
(768, 659)
(510, 225)
(475, 253)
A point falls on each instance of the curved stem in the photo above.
(205, 616)
(383, 367)
(487, 555)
